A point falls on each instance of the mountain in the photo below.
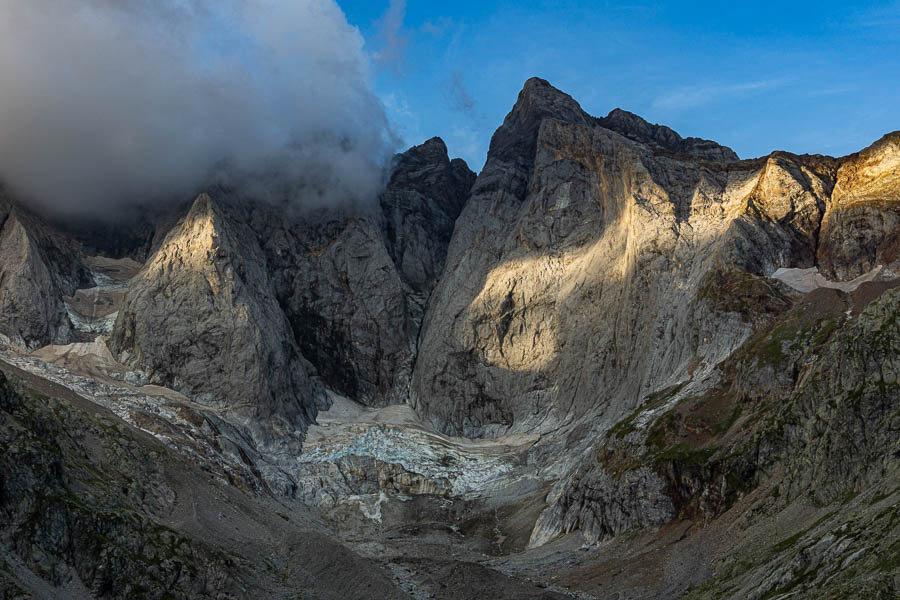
(37, 268)
(616, 362)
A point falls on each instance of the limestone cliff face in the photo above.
(424, 197)
(862, 227)
(248, 310)
(201, 318)
(354, 286)
(37, 269)
(572, 278)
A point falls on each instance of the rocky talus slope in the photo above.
(615, 363)
(95, 508)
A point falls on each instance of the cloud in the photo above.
(391, 35)
(458, 95)
(694, 96)
(438, 27)
(107, 103)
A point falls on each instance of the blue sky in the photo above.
(800, 76)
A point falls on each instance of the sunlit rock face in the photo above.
(201, 318)
(573, 278)
(862, 227)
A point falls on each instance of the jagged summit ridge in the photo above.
(539, 99)
(617, 308)
(635, 128)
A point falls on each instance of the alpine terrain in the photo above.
(616, 363)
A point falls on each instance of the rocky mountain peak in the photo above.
(636, 128)
(37, 268)
(200, 230)
(537, 101)
(862, 229)
(873, 173)
(413, 163)
(434, 147)
(201, 317)
(424, 197)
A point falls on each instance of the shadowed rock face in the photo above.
(424, 197)
(635, 128)
(247, 311)
(354, 287)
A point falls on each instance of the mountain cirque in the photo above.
(616, 363)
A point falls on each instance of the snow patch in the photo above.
(97, 326)
(370, 506)
(807, 280)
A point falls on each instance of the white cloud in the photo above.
(108, 102)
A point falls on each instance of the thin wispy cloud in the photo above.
(700, 95)
(438, 27)
(392, 37)
(458, 95)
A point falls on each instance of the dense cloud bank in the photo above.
(108, 103)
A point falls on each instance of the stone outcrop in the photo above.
(861, 229)
(38, 268)
(201, 318)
